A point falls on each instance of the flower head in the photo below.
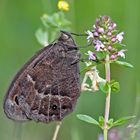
(105, 37)
(63, 5)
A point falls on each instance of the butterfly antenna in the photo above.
(77, 34)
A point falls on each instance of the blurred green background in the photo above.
(18, 22)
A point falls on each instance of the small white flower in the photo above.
(94, 26)
(92, 55)
(114, 25)
(88, 63)
(120, 36)
(90, 35)
(121, 53)
(99, 45)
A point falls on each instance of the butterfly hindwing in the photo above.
(47, 87)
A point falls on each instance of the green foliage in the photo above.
(123, 120)
(42, 36)
(17, 41)
(101, 121)
(87, 119)
(104, 86)
(52, 24)
(110, 123)
(126, 64)
(101, 55)
(55, 21)
(88, 68)
(115, 86)
(118, 45)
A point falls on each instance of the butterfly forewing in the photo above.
(47, 87)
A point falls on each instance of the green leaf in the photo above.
(101, 121)
(101, 55)
(104, 86)
(110, 123)
(56, 20)
(48, 21)
(123, 63)
(88, 68)
(42, 37)
(118, 45)
(87, 119)
(123, 120)
(115, 86)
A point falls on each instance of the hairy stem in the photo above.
(58, 125)
(107, 102)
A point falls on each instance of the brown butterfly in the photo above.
(47, 87)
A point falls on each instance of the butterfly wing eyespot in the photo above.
(54, 107)
(16, 99)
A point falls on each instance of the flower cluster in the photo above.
(106, 38)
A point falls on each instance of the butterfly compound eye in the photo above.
(64, 36)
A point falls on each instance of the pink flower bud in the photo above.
(109, 48)
(101, 30)
(113, 57)
(95, 34)
(113, 39)
(110, 28)
(109, 33)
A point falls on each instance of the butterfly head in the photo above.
(66, 38)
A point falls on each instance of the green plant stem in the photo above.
(105, 134)
(107, 102)
(58, 125)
